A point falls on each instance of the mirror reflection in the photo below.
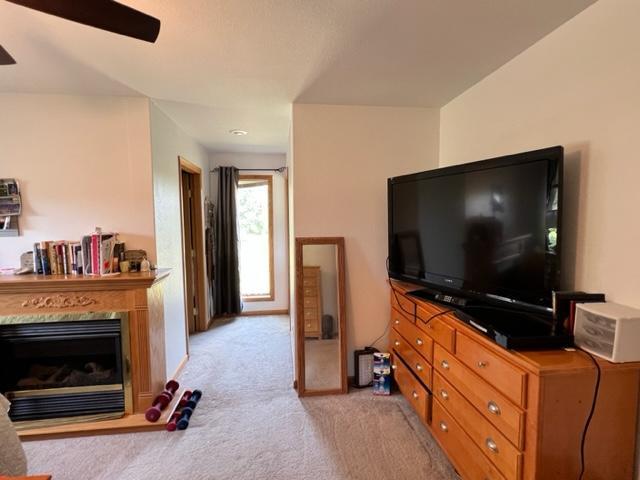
(320, 317)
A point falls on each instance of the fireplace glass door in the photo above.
(62, 369)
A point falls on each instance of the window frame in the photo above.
(261, 180)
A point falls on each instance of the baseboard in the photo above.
(264, 312)
(181, 365)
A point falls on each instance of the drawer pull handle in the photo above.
(394, 367)
(414, 394)
(419, 367)
(493, 407)
(482, 364)
(308, 325)
(445, 364)
(397, 343)
(419, 342)
(397, 322)
(443, 427)
(491, 445)
(444, 394)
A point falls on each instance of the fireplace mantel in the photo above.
(138, 294)
(64, 283)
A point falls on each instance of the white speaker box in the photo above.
(608, 330)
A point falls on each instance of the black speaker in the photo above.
(363, 367)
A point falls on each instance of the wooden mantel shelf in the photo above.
(65, 283)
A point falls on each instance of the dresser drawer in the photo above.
(436, 328)
(415, 361)
(488, 438)
(309, 302)
(309, 281)
(310, 291)
(311, 326)
(505, 376)
(403, 304)
(418, 396)
(423, 344)
(508, 418)
(466, 456)
(310, 314)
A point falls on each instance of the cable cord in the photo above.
(591, 412)
(395, 294)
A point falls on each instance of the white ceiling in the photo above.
(224, 64)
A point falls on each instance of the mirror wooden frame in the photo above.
(299, 328)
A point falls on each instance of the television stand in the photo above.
(505, 414)
(508, 327)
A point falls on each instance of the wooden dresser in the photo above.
(500, 414)
(312, 292)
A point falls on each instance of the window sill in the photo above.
(258, 298)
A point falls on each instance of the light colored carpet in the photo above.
(322, 364)
(250, 424)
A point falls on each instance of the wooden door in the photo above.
(189, 236)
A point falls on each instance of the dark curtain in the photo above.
(227, 271)
(209, 237)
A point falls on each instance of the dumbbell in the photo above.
(161, 401)
(175, 416)
(171, 424)
(187, 411)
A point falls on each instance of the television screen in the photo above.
(488, 228)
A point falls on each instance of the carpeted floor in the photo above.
(250, 424)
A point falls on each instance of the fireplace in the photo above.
(61, 368)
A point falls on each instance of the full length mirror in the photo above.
(320, 316)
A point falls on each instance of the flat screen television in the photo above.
(487, 230)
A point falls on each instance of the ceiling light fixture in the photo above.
(237, 132)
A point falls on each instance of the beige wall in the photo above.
(280, 248)
(577, 87)
(168, 142)
(82, 162)
(343, 156)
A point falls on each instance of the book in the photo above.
(76, 258)
(94, 249)
(37, 261)
(107, 244)
(53, 258)
(86, 255)
(44, 258)
(62, 257)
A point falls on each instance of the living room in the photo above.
(93, 125)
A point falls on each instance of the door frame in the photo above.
(202, 320)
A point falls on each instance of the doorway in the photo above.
(192, 246)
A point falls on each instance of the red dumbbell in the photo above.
(172, 424)
(161, 401)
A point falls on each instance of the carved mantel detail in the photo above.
(59, 301)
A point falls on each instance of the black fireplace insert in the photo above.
(62, 369)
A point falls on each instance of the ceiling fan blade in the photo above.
(5, 57)
(104, 14)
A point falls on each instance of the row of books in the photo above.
(96, 254)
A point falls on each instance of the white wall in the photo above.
(577, 87)
(82, 162)
(280, 238)
(168, 142)
(343, 156)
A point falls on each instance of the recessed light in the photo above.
(240, 133)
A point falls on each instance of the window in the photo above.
(255, 235)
